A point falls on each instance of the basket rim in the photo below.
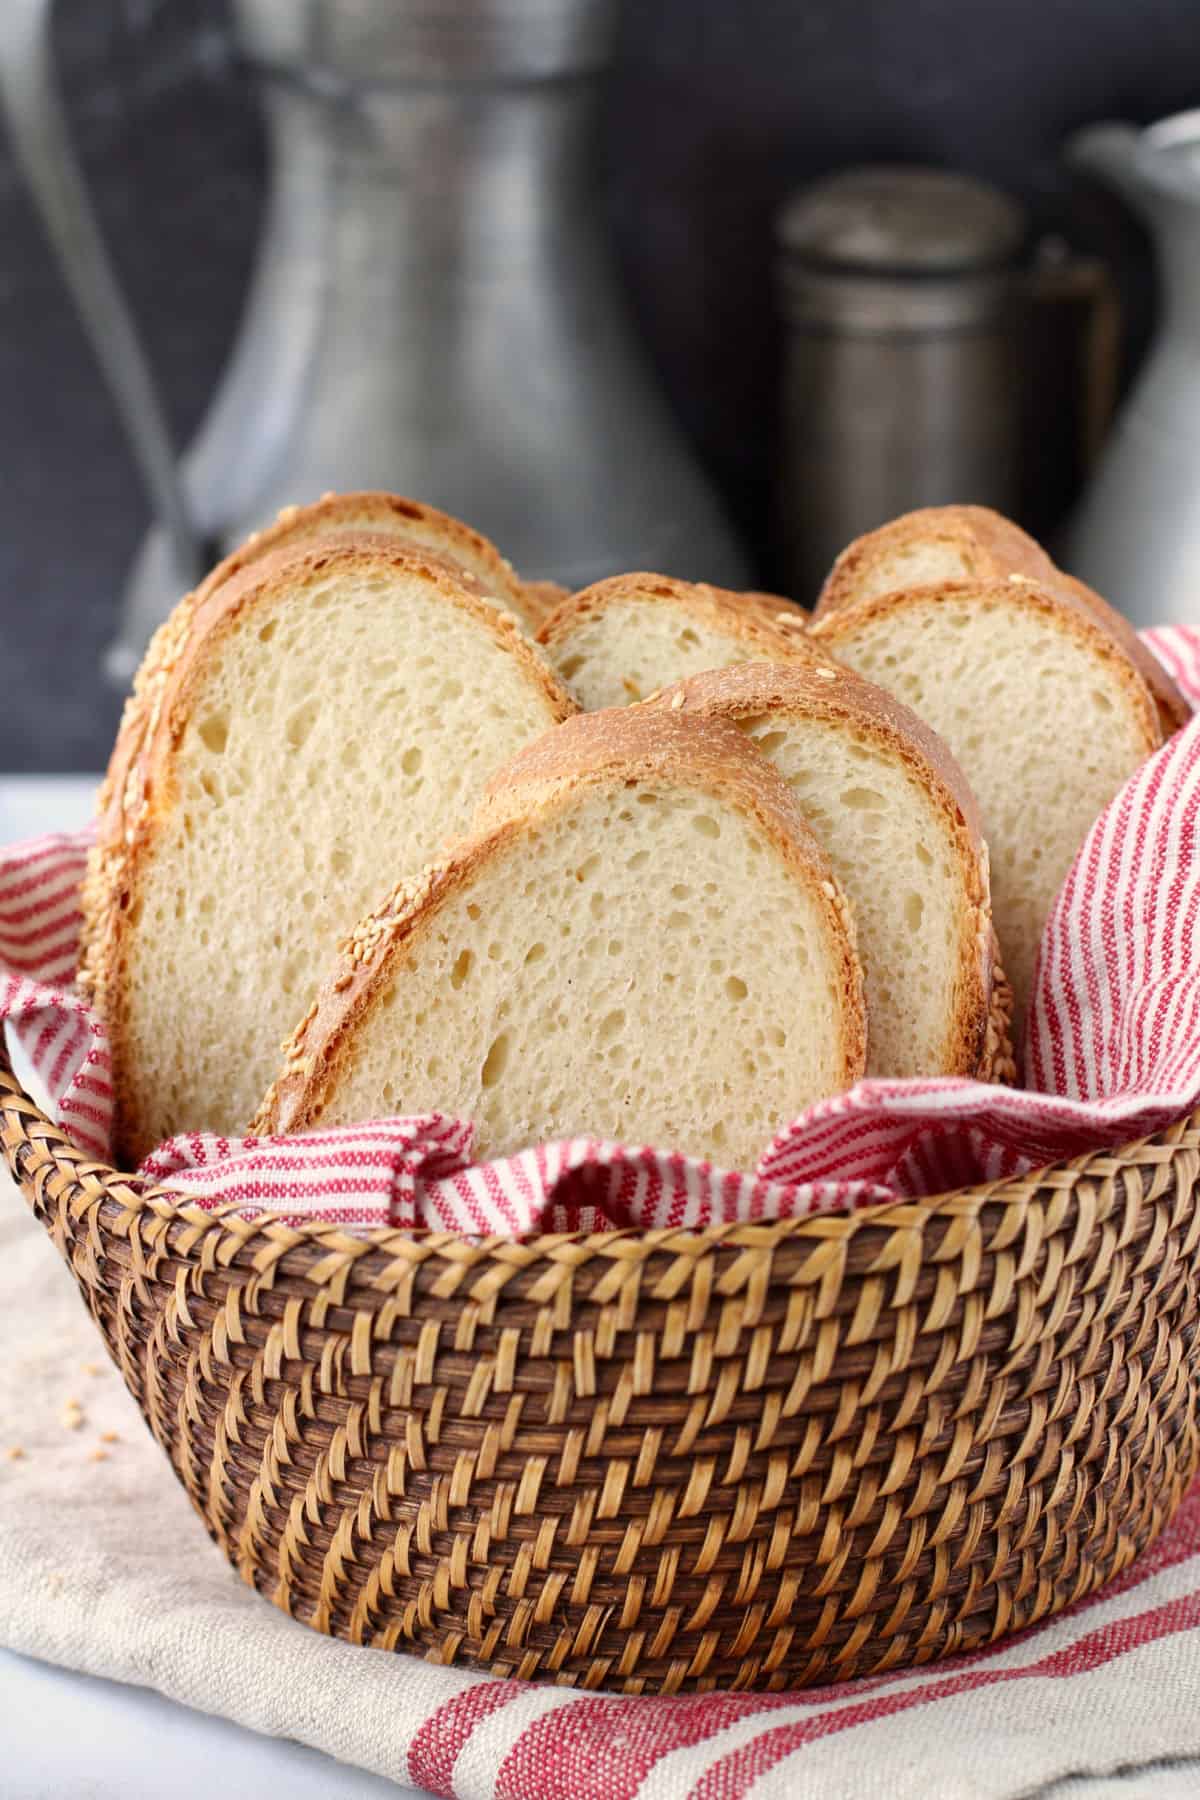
(131, 1196)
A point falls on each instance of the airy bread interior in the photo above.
(622, 640)
(338, 730)
(897, 856)
(891, 823)
(639, 962)
(915, 565)
(940, 544)
(1046, 718)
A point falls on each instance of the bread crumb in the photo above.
(91, 1368)
(16, 1453)
(71, 1404)
(71, 1421)
(110, 1437)
(98, 1456)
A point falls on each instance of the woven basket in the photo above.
(759, 1456)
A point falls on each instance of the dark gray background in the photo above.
(716, 109)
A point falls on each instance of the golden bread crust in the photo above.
(137, 793)
(839, 696)
(618, 747)
(393, 515)
(996, 546)
(541, 598)
(998, 1062)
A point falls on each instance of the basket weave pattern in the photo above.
(762, 1455)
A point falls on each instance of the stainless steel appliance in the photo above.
(433, 307)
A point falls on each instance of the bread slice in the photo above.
(894, 814)
(622, 639)
(388, 515)
(937, 544)
(1174, 709)
(641, 941)
(1040, 707)
(778, 608)
(928, 547)
(541, 598)
(312, 729)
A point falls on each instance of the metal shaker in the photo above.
(901, 383)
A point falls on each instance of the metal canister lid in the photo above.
(898, 220)
(896, 247)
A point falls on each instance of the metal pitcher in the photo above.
(1136, 536)
(433, 307)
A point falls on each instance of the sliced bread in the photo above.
(928, 547)
(1174, 710)
(620, 640)
(1041, 709)
(388, 515)
(541, 598)
(778, 608)
(894, 814)
(307, 732)
(937, 544)
(641, 941)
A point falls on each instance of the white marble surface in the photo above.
(31, 804)
(73, 1737)
(65, 1736)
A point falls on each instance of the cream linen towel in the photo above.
(104, 1566)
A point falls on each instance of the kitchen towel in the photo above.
(1113, 1054)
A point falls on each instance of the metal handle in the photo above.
(43, 146)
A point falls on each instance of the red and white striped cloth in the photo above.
(1111, 1684)
(1113, 1053)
